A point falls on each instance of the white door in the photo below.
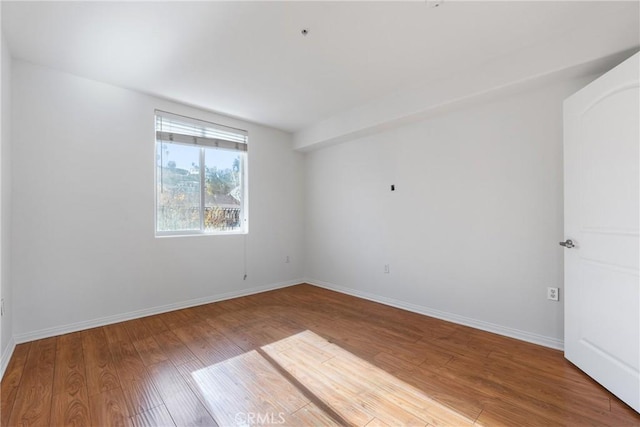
(602, 284)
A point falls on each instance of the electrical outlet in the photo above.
(386, 269)
(287, 260)
(2, 307)
(553, 294)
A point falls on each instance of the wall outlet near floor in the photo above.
(552, 294)
(386, 269)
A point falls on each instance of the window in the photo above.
(201, 177)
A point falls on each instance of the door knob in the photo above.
(567, 244)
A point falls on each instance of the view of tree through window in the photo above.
(200, 186)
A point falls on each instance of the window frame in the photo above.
(243, 175)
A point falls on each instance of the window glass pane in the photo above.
(178, 187)
(223, 192)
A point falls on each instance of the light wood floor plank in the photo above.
(101, 374)
(154, 324)
(109, 408)
(179, 318)
(156, 417)
(150, 351)
(464, 400)
(11, 380)
(174, 348)
(183, 405)
(141, 395)
(70, 405)
(32, 406)
(310, 415)
(126, 359)
(208, 344)
(137, 329)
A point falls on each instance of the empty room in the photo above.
(320, 213)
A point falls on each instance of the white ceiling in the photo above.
(249, 59)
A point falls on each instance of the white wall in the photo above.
(83, 245)
(471, 231)
(6, 343)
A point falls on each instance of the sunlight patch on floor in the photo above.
(249, 390)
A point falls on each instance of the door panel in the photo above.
(606, 146)
(613, 249)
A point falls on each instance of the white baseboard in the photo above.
(93, 323)
(450, 317)
(6, 356)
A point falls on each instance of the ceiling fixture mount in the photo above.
(304, 32)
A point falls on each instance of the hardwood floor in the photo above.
(298, 356)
